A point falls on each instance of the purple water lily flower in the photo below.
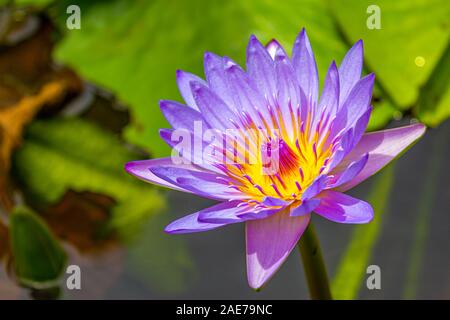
(320, 145)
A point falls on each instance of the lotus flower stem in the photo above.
(313, 264)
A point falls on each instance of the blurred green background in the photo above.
(76, 104)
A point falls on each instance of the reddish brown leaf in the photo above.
(4, 243)
(81, 219)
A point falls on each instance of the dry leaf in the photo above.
(12, 123)
(29, 81)
(4, 243)
(81, 218)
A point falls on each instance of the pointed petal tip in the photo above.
(164, 132)
(383, 147)
(370, 215)
(166, 135)
(163, 104)
(177, 226)
(273, 44)
(257, 286)
(420, 126)
(180, 75)
(357, 50)
(137, 169)
(168, 229)
(370, 77)
(169, 105)
(168, 108)
(273, 47)
(128, 167)
(208, 55)
(182, 225)
(253, 44)
(172, 228)
(258, 282)
(302, 36)
(415, 129)
(269, 242)
(342, 208)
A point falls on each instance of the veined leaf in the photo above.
(135, 47)
(383, 109)
(433, 106)
(404, 51)
(62, 154)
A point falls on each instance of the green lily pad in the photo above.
(433, 106)
(405, 50)
(70, 153)
(39, 259)
(383, 109)
(134, 48)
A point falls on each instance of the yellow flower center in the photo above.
(283, 167)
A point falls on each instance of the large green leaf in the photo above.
(404, 52)
(352, 267)
(135, 47)
(434, 100)
(39, 259)
(383, 110)
(75, 154)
